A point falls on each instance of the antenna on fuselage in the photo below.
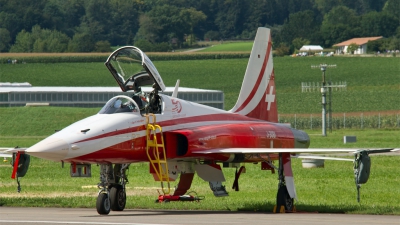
(175, 93)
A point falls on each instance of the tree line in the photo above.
(163, 25)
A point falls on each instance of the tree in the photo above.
(169, 23)
(73, 11)
(148, 30)
(282, 50)
(324, 6)
(374, 46)
(230, 17)
(352, 48)
(340, 15)
(124, 21)
(81, 42)
(392, 7)
(40, 40)
(300, 25)
(53, 17)
(102, 46)
(192, 17)
(161, 47)
(341, 23)
(144, 45)
(212, 35)
(378, 24)
(96, 21)
(23, 42)
(5, 40)
(258, 13)
(299, 42)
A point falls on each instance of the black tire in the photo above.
(283, 198)
(117, 198)
(103, 204)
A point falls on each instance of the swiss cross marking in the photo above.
(270, 98)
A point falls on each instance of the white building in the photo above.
(12, 95)
(311, 48)
(361, 42)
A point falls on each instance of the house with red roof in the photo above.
(361, 42)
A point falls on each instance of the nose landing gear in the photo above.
(112, 194)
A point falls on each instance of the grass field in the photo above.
(373, 83)
(230, 47)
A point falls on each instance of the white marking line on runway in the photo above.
(77, 222)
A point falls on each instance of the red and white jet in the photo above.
(179, 137)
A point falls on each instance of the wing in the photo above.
(291, 150)
(320, 157)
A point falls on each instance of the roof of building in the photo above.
(92, 89)
(358, 41)
(311, 48)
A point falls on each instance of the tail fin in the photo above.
(257, 96)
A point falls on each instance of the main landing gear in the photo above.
(112, 194)
(284, 203)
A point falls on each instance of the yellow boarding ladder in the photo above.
(155, 150)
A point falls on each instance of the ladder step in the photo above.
(156, 152)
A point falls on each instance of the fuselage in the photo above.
(120, 137)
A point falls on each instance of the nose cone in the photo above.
(51, 148)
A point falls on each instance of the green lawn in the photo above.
(373, 82)
(230, 47)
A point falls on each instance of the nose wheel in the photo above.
(117, 198)
(103, 204)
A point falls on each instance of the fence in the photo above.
(361, 121)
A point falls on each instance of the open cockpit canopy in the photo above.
(132, 69)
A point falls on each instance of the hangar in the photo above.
(22, 94)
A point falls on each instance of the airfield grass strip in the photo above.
(101, 57)
(372, 82)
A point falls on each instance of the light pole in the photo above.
(323, 92)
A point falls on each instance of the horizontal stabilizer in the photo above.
(5, 155)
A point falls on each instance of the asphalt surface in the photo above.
(16, 216)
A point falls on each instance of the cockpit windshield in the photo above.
(127, 63)
(119, 104)
(132, 69)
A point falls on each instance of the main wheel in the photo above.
(103, 204)
(283, 198)
(117, 198)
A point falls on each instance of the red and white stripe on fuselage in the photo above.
(257, 98)
(203, 133)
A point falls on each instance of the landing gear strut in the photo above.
(112, 194)
(283, 200)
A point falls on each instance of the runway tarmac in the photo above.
(17, 216)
